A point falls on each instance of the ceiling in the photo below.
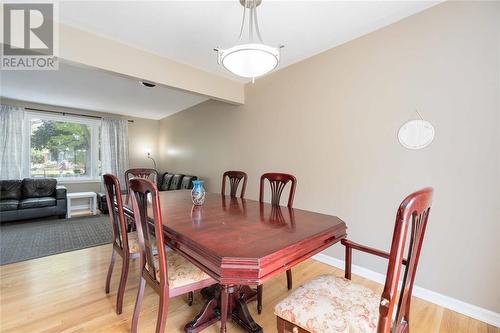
(187, 31)
(92, 89)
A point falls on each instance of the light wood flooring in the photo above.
(65, 293)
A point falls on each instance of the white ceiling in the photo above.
(187, 31)
(91, 89)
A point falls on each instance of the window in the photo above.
(63, 147)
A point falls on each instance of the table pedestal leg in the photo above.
(249, 294)
(236, 309)
(242, 317)
(208, 316)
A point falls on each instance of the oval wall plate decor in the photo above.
(416, 134)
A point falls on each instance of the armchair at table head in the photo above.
(342, 295)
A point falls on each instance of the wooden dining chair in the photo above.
(168, 273)
(278, 182)
(334, 304)
(124, 243)
(235, 178)
(144, 173)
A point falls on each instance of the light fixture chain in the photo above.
(243, 20)
(250, 23)
(253, 22)
(257, 26)
(421, 118)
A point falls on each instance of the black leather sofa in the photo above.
(172, 182)
(166, 182)
(31, 198)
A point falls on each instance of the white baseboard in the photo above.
(467, 309)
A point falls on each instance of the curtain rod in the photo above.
(70, 113)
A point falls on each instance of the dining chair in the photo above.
(124, 243)
(235, 178)
(168, 273)
(144, 173)
(278, 182)
(333, 304)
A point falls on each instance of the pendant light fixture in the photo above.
(253, 58)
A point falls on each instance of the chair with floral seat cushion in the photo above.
(333, 304)
(124, 243)
(169, 274)
(320, 306)
(133, 243)
(180, 271)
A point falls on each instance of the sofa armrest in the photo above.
(60, 192)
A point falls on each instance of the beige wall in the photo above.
(143, 134)
(332, 120)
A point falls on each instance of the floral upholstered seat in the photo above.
(331, 304)
(133, 243)
(181, 272)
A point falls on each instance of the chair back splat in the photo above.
(144, 173)
(278, 182)
(234, 180)
(412, 215)
(116, 215)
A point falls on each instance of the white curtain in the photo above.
(13, 162)
(114, 148)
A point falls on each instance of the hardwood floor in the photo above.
(65, 293)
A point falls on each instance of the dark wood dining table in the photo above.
(241, 243)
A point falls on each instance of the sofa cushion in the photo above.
(39, 187)
(187, 182)
(8, 204)
(176, 182)
(165, 183)
(37, 202)
(10, 189)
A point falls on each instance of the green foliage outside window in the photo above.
(60, 149)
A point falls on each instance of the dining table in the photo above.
(241, 243)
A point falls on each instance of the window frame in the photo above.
(94, 143)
